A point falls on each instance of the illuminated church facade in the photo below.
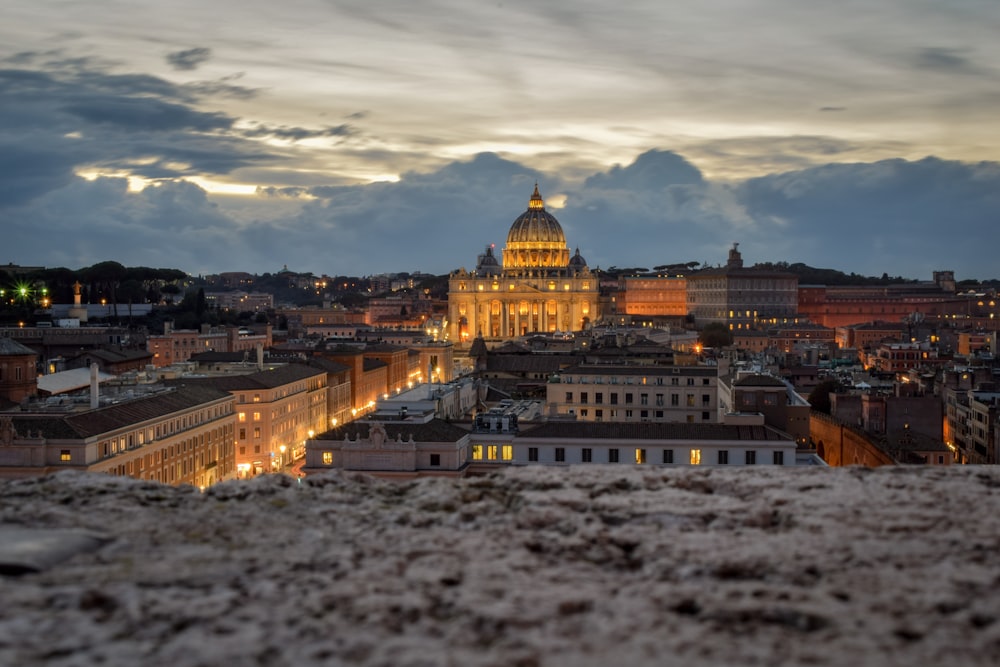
(538, 287)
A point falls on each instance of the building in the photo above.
(538, 287)
(408, 447)
(239, 301)
(742, 298)
(177, 345)
(178, 436)
(277, 410)
(603, 392)
(18, 372)
(782, 407)
(652, 296)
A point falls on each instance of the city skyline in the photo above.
(358, 139)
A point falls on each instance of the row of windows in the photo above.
(659, 381)
(706, 399)
(613, 455)
(706, 415)
(506, 452)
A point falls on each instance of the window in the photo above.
(640, 456)
(243, 451)
(690, 382)
(477, 452)
(256, 433)
(256, 398)
(583, 397)
(256, 416)
(243, 434)
(659, 399)
(569, 397)
(327, 458)
(674, 382)
(614, 399)
(65, 455)
(644, 399)
(628, 414)
(584, 412)
(690, 400)
(613, 455)
(587, 455)
(644, 414)
(723, 456)
(560, 454)
(628, 398)
(706, 400)
(668, 456)
(706, 416)
(532, 453)
(491, 452)
(750, 457)
(507, 452)
(675, 400)
(599, 397)
(779, 458)
(435, 460)
(770, 399)
(659, 414)
(695, 457)
(243, 416)
(599, 415)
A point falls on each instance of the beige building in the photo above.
(603, 392)
(538, 288)
(177, 436)
(277, 410)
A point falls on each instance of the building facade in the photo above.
(742, 298)
(539, 287)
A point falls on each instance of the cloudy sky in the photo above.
(365, 136)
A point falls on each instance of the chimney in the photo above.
(94, 398)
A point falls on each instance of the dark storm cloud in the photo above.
(189, 59)
(300, 133)
(82, 116)
(945, 60)
(149, 115)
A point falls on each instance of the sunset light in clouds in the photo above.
(337, 112)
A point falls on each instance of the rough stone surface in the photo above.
(537, 566)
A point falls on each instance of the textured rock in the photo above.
(539, 566)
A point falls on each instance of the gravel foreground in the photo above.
(538, 566)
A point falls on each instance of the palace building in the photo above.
(538, 288)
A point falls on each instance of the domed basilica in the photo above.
(538, 288)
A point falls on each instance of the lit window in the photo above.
(327, 458)
(695, 457)
(256, 416)
(243, 416)
(64, 455)
(491, 452)
(640, 456)
(507, 451)
(477, 452)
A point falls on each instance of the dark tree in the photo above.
(819, 398)
(715, 334)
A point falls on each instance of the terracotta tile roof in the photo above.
(268, 379)
(10, 347)
(120, 415)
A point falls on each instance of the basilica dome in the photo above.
(536, 239)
